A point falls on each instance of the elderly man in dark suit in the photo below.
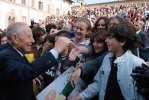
(16, 73)
(142, 36)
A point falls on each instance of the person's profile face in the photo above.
(41, 38)
(113, 44)
(137, 26)
(24, 40)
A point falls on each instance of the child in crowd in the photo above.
(82, 30)
(99, 48)
(48, 44)
(63, 63)
(113, 80)
(38, 34)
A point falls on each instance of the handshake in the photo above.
(62, 43)
(141, 75)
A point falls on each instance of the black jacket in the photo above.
(16, 73)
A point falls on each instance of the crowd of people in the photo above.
(108, 47)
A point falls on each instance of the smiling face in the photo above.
(24, 40)
(101, 25)
(114, 45)
(98, 46)
(81, 30)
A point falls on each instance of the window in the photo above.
(40, 5)
(24, 19)
(23, 2)
(48, 8)
(32, 3)
(63, 12)
(57, 11)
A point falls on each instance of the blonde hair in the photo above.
(85, 20)
(89, 27)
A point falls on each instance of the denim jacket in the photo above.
(126, 63)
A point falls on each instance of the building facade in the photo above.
(27, 10)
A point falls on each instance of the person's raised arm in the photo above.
(60, 46)
(13, 70)
(86, 68)
(76, 51)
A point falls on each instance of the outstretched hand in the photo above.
(74, 52)
(74, 76)
(61, 44)
(38, 80)
(53, 32)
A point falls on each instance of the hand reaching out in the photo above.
(74, 52)
(53, 32)
(61, 44)
(38, 80)
(79, 64)
(74, 76)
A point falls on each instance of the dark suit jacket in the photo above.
(16, 73)
(144, 53)
(142, 37)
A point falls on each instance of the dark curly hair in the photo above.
(106, 20)
(49, 27)
(124, 32)
(99, 36)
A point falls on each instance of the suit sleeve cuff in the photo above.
(54, 53)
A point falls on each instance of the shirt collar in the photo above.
(123, 57)
(138, 31)
(38, 46)
(19, 52)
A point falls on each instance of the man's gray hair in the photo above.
(14, 28)
(119, 18)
